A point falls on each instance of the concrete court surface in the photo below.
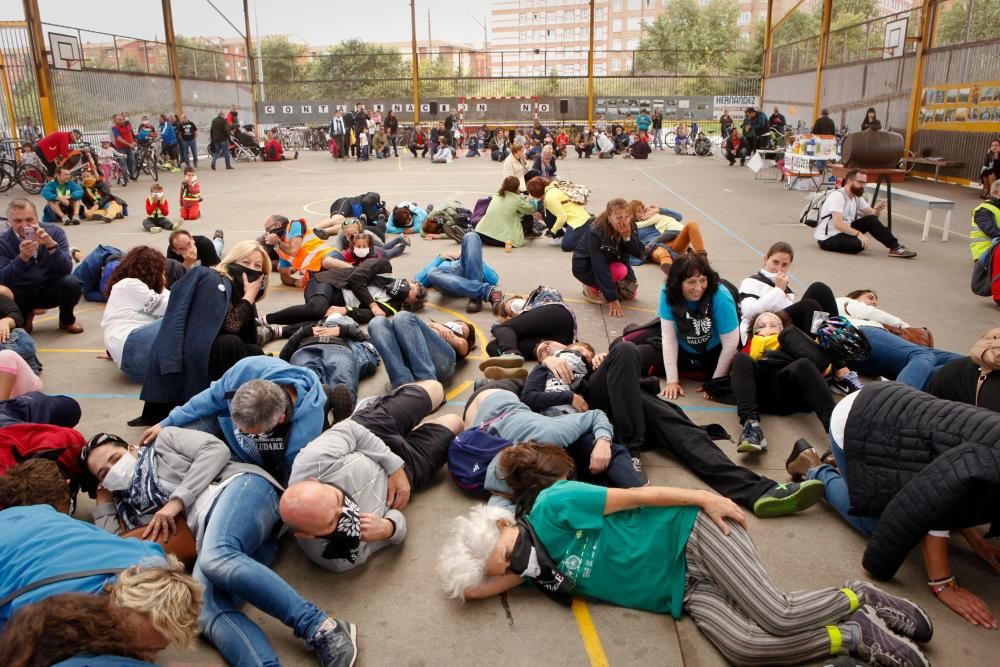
(402, 617)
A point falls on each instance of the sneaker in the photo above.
(499, 373)
(752, 439)
(788, 498)
(339, 402)
(848, 384)
(900, 615)
(802, 459)
(265, 335)
(496, 297)
(638, 469)
(593, 295)
(828, 459)
(628, 288)
(335, 643)
(321, 233)
(901, 251)
(503, 361)
(877, 644)
(219, 234)
(67, 221)
(177, 225)
(474, 306)
(73, 252)
(155, 230)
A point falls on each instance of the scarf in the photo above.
(345, 540)
(694, 328)
(529, 559)
(145, 495)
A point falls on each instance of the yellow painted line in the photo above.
(49, 318)
(479, 332)
(591, 640)
(69, 349)
(458, 390)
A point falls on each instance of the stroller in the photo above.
(243, 145)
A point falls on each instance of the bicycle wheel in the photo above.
(30, 178)
(669, 138)
(119, 175)
(8, 170)
(154, 168)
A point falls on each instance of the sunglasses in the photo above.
(97, 441)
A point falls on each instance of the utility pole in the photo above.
(254, 93)
(430, 42)
(590, 71)
(171, 39)
(415, 63)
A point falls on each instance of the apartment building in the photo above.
(538, 37)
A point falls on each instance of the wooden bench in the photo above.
(927, 202)
(933, 162)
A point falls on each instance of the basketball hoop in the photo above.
(66, 52)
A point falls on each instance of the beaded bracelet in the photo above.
(938, 587)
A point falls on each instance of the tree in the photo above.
(361, 69)
(687, 38)
(283, 69)
(957, 24)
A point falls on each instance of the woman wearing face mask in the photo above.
(698, 324)
(98, 202)
(601, 259)
(231, 508)
(209, 325)
(526, 322)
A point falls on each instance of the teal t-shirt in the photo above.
(633, 558)
(722, 315)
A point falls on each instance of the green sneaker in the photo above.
(789, 498)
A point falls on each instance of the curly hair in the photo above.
(531, 467)
(166, 593)
(34, 482)
(62, 626)
(603, 221)
(143, 263)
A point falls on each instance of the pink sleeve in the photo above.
(25, 379)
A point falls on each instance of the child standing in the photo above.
(157, 211)
(190, 195)
(105, 156)
(363, 145)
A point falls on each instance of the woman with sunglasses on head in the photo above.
(232, 510)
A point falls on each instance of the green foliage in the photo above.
(688, 38)
(956, 25)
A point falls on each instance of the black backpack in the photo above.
(983, 278)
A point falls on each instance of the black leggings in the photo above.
(797, 387)
(817, 297)
(521, 334)
(849, 244)
(319, 297)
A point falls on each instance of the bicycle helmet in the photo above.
(842, 340)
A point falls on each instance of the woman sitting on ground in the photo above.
(503, 221)
(526, 322)
(571, 219)
(231, 509)
(783, 372)
(768, 291)
(211, 323)
(698, 323)
(137, 301)
(620, 139)
(664, 549)
(663, 235)
(601, 259)
(415, 350)
(545, 162)
(499, 146)
(892, 356)
(516, 165)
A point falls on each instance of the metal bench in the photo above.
(927, 202)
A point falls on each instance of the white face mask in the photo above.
(516, 305)
(361, 253)
(119, 478)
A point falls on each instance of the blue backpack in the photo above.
(470, 454)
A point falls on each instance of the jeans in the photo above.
(837, 493)
(135, 353)
(221, 148)
(130, 162)
(233, 559)
(465, 278)
(189, 148)
(900, 360)
(411, 350)
(572, 236)
(20, 341)
(849, 244)
(338, 364)
(89, 271)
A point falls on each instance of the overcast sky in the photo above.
(315, 22)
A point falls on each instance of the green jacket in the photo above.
(502, 221)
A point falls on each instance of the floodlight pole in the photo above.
(926, 21)
(590, 71)
(765, 60)
(175, 72)
(46, 98)
(254, 93)
(416, 66)
(824, 40)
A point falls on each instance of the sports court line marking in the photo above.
(49, 318)
(591, 640)
(644, 310)
(711, 219)
(107, 396)
(456, 391)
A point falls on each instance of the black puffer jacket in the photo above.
(919, 463)
(594, 255)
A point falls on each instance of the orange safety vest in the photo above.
(311, 252)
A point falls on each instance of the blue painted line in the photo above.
(726, 229)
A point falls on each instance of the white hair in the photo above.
(462, 563)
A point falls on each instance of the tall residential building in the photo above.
(538, 37)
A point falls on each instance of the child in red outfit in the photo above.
(190, 195)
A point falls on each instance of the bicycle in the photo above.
(30, 177)
(147, 159)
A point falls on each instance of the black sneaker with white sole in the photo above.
(879, 645)
(900, 615)
(848, 384)
(752, 439)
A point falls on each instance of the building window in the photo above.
(633, 5)
(616, 65)
(634, 24)
(601, 14)
(744, 18)
(601, 33)
(616, 25)
(616, 45)
(632, 44)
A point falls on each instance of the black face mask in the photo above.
(237, 272)
(345, 540)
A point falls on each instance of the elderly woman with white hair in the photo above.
(662, 549)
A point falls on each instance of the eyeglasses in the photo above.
(97, 441)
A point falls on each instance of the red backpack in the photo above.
(20, 442)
